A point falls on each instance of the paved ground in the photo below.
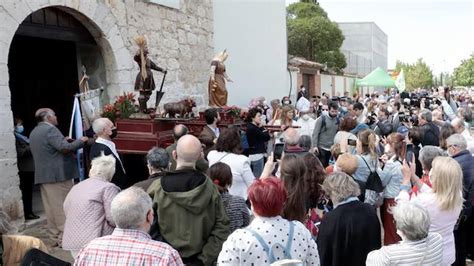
(38, 228)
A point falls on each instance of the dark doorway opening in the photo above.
(43, 73)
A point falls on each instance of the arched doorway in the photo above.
(109, 47)
(45, 62)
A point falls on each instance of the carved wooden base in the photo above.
(137, 136)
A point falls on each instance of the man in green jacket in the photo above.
(191, 214)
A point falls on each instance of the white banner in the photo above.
(90, 106)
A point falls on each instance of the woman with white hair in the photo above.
(443, 200)
(418, 245)
(351, 230)
(87, 206)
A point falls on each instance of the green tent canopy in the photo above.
(377, 78)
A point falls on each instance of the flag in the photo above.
(90, 106)
(400, 81)
(75, 132)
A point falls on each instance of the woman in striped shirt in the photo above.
(418, 245)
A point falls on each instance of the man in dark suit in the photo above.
(395, 118)
(106, 131)
(210, 132)
(55, 167)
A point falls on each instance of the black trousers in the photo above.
(461, 239)
(27, 180)
(324, 156)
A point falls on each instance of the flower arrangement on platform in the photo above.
(123, 107)
(235, 112)
(109, 111)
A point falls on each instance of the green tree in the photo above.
(313, 36)
(464, 74)
(417, 75)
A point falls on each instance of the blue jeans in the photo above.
(257, 167)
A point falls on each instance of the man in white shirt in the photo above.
(106, 131)
(460, 128)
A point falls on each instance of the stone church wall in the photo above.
(180, 40)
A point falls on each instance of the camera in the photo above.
(371, 119)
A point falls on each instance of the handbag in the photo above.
(373, 180)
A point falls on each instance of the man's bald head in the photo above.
(188, 150)
(458, 124)
(46, 115)
(291, 136)
(179, 131)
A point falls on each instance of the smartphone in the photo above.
(278, 151)
(351, 142)
(409, 155)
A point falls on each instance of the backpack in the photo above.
(373, 180)
(277, 246)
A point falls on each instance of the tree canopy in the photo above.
(464, 73)
(417, 75)
(313, 36)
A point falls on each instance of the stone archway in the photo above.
(102, 24)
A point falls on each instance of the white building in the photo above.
(254, 34)
(365, 47)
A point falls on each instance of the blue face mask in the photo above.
(19, 129)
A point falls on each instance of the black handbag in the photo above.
(373, 180)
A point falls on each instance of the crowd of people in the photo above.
(379, 179)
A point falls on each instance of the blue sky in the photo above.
(441, 32)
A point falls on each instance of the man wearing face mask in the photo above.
(343, 107)
(26, 169)
(457, 149)
(106, 131)
(324, 131)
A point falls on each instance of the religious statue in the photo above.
(145, 82)
(217, 82)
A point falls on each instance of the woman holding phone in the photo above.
(391, 177)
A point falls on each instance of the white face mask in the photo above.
(326, 113)
(344, 109)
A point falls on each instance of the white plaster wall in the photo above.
(339, 80)
(254, 33)
(326, 84)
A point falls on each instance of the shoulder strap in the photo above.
(268, 250)
(323, 122)
(222, 157)
(260, 240)
(287, 250)
(365, 162)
